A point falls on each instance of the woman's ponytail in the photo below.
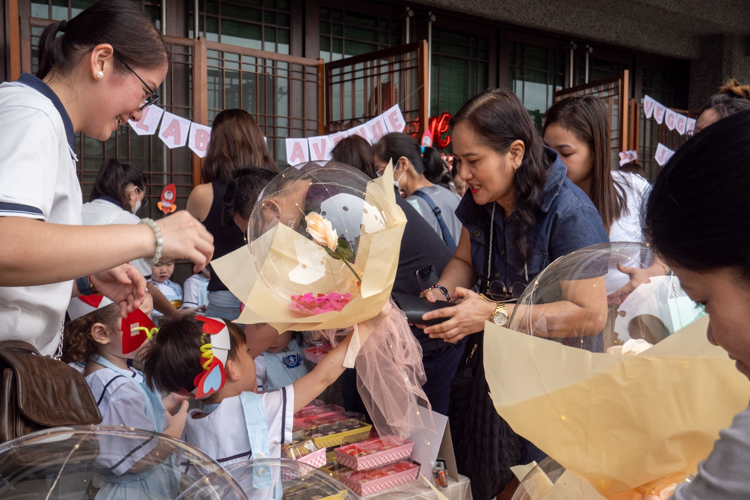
(434, 167)
(50, 48)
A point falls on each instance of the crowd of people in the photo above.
(530, 199)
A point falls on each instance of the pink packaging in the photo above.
(374, 453)
(372, 481)
(317, 352)
(318, 420)
(316, 459)
(315, 411)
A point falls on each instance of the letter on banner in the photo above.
(648, 106)
(681, 123)
(670, 118)
(198, 139)
(319, 148)
(690, 126)
(663, 154)
(361, 131)
(377, 128)
(149, 121)
(297, 151)
(394, 120)
(659, 111)
(174, 130)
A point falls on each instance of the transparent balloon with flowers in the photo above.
(605, 366)
(323, 248)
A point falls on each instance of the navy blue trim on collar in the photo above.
(35, 83)
(111, 200)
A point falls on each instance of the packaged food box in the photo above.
(315, 411)
(306, 452)
(317, 352)
(374, 453)
(372, 481)
(333, 434)
(318, 420)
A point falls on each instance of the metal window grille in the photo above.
(535, 75)
(345, 34)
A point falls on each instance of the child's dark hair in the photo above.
(172, 360)
(78, 344)
(120, 23)
(244, 188)
(114, 176)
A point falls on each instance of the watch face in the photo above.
(500, 318)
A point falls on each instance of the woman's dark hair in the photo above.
(236, 142)
(633, 168)
(243, 191)
(120, 23)
(497, 118)
(172, 359)
(113, 178)
(78, 344)
(393, 146)
(355, 151)
(697, 215)
(732, 98)
(586, 117)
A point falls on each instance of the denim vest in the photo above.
(566, 222)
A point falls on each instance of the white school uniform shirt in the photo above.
(628, 226)
(37, 181)
(222, 434)
(195, 291)
(121, 404)
(105, 211)
(170, 289)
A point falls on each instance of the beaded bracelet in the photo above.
(159, 241)
(443, 290)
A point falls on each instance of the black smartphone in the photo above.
(427, 277)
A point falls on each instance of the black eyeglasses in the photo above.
(501, 293)
(152, 97)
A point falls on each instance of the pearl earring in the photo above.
(99, 75)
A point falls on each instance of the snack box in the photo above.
(334, 434)
(317, 352)
(372, 481)
(318, 420)
(374, 453)
(315, 411)
(334, 468)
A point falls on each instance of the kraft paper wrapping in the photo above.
(377, 258)
(624, 423)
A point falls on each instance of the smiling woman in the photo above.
(94, 75)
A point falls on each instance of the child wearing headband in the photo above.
(211, 357)
(107, 344)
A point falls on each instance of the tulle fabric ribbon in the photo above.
(390, 375)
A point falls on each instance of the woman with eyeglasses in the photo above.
(522, 214)
(96, 72)
(118, 194)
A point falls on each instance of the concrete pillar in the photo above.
(721, 57)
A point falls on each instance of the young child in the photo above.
(211, 356)
(160, 274)
(95, 336)
(282, 363)
(196, 290)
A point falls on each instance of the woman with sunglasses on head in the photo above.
(522, 214)
(118, 193)
(96, 72)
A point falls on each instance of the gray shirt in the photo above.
(724, 474)
(447, 201)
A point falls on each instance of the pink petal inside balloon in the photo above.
(319, 304)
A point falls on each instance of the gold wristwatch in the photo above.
(500, 316)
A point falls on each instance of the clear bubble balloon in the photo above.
(317, 216)
(267, 479)
(611, 295)
(109, 463)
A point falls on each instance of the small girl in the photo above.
(160, 274)
(196, 290)
(282, 363)
(211, 357)
(120, 391)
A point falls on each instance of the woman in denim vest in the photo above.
(521, 214)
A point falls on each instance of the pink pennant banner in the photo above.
(198, 139)
(681, 124)
(149, 122)
(659, 112)
(670, 119)
(297, 151)
(663, 154)
(690, 126)
(648, 106)
(394, 119)
(174, 130)
(628, 157)
(319, 150)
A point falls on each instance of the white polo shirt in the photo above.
(105, 211)
(37, 181)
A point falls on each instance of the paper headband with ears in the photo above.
(214, 354)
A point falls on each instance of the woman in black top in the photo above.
(236, 141)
